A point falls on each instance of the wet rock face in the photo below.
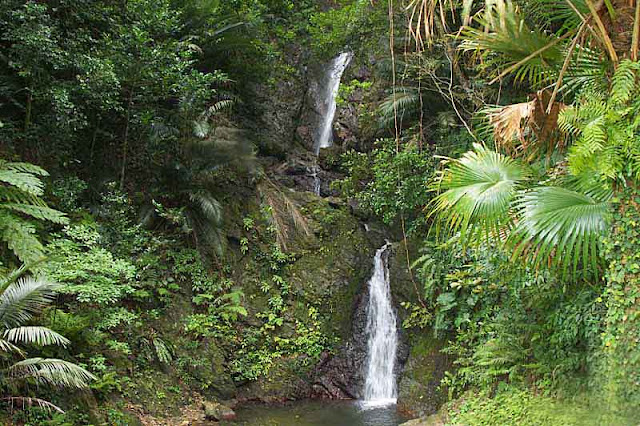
(298, 174)
(418, 393)
(342, 376)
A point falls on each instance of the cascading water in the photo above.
(380, 381)
(326, 107)
(316, 179)
(327, 99)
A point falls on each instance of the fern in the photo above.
(624, 81)
(21, 207)
(162, 351)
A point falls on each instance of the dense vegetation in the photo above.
(154, 253)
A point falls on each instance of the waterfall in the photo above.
(326, 92)
(316, 179)
(327, 100)
(380, 381)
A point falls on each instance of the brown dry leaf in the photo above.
(526, 126)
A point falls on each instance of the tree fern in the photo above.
(21, 207)
(604, 127)
(624, 81)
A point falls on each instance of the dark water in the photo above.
(317, 413)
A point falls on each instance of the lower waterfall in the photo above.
(380, 380)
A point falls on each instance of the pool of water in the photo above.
(317, 413)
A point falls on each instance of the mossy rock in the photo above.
(419, 393)
(287, 379)
(154, 392)
(206, 369)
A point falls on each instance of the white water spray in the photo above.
(380, 381)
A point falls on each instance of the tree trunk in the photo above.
(125, 141)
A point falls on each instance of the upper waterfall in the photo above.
(328, 92)
(380, 381)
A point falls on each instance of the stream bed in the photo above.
(317, 413)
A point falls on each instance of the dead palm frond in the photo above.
(527, 128)
(285, 213)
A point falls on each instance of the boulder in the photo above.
(217, 412)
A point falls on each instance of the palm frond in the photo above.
(559, 227)
(506, 43)
(479, 189)
(403, 104)
(51, 372)
(36, 335)
(8, 347)
(285, 216)
(567, 14)
(26, 402)
(24, 299)
(429, 18)
(162, 351)
(208, 205)
(208, 234)
(527, 128)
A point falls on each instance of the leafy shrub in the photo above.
(85, 269)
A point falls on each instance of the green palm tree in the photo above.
(21, 300)
(487, 195)
(207, 147)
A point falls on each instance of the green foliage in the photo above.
(346, 90)
(506, 323)
(85, 269)
(622, 295)
(604, 126)
(513, 406)
(22, 208)
(21, 300)
(388, 183)
(354, 24)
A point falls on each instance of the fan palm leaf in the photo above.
(559, 227)
(479, 189)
